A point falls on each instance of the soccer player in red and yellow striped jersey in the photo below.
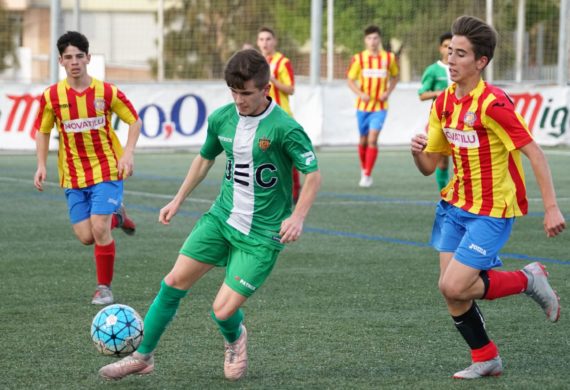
(91, 161)
(282, 81)
(477, 125)
(372, 76)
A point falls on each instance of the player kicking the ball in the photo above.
(476, 123)
(249, 222)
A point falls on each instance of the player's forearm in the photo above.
(542, 174)
(133, 136)
(353, 87)
(197, 172)
(392, 84)
(429, 95)
(42, 148)
(287, 89)
(308, 194)
(425, 162)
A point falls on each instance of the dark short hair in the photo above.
(73, 38)
(372, 30)
(445, 36)
(266, 29)
(247, 65)
(483, 37)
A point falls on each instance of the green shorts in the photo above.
(248, 261)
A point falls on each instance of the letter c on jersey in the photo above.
(259, 175)
(163, 125)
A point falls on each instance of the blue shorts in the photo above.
(370, 121)
(102, 199)
(475, 240)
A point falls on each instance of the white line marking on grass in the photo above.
(128, 192)
(200, 200)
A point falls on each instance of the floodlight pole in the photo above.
(55, 11)
(489, 71)
(562, 72)
(316, 38)
(330, 40)
(520, 40)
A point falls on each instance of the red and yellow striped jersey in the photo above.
(282, 70)
(483, 133)
(89, 149)
(372, 74)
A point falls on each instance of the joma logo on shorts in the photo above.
(477, 248)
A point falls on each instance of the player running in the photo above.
(372, 76)
(250, 221)
(91, 161)
(477, 125)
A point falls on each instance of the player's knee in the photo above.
(86, 238)
(222, 312)
(450, 290)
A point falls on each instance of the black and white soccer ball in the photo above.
(117, 330)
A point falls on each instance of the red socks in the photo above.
(105, 262)
(488, 352)
(362, 155)
(504, 283)
(371, 154)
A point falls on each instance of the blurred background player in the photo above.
(91, 161)
(434, 80)
(372, 76)
(477, 124)
(282, 81)
(250, 221)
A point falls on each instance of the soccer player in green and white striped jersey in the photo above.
(250, 221)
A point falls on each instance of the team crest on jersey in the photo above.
(264, 143)
(470, 118)
(99, 104)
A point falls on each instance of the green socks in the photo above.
(159, 316)
(230, 328)
(441, 177)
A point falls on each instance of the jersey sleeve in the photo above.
(437, 143)
(354, 68)
(212, 147)
(509, 125)
(46, 117)
(300, 149)
(427, 81)
(123, 107)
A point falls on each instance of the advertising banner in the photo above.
(175, 115)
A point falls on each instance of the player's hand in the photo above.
(39, 178)
(168, 212)
(419, 143)
(291, 229)
(384, 97)
(364, 97)
(554, 222)
(126, 165)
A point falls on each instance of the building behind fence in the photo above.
(198, 36)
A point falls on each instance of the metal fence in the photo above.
(147, 40)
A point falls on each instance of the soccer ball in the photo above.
(117, 330)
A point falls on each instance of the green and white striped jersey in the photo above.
(261, 151)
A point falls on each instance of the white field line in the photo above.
(200, 200)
